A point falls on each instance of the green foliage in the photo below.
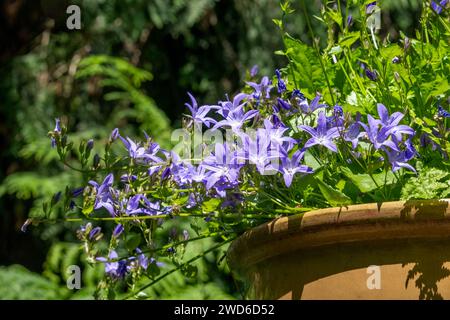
(430, 183)
(334, 197)
(412, 75)
(28, 185)
(19, 283)
(304, 69)
(120, 74)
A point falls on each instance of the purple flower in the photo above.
(337, 119)
(438, 7)
(392, 122)
(254, 71)
(235, 119)
(257, 151)
(314, 105)
(379, 131)
(192, 201)
(89, 145)
(395, 59)
(57, 130)
(188, 173)
(387, 120)
(372, 75)
(77, 192)
(114, 135)
(289, 167)
(349, 20)
(277, 123)
(142, 259)
(442, 112)
(57, 125)
(297, 94)
(94, 233)
(223, 169)
(133, 205)
(198, 114)
(114, 268)
(104, 197)
(25, 225)
(407, 43)
(321, 135)
(232, 200)
(353, 133)
(56, 197)
(379, 136)
(371, 7)
(283, 104)
(227, 106)
(276, 135)
(262, 90)
(398, 159)
(281, 85)
(118, 230)
(138, 152)
(126, 178)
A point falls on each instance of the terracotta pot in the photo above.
(391, 250)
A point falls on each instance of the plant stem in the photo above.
(316, 47)
(178, 268)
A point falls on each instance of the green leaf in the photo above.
(153, 270)
(132, 241)
(349, 39)
(310, 161)
(365, 183)
(335, 16)
(210, 205)
(304, 66)
(334, 197)
(88, 207)
(189, 271)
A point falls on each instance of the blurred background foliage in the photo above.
(130, 66)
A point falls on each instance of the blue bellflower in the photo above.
(292, 166)
(104, 197)
(442, 112)
(222, 167)
(321, 135)
(199, 114)
(262, 89)
(438, 7)
(281, 85)
(236, 119)
(257, 151)
(311, 107)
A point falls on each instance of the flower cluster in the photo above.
(268, 128)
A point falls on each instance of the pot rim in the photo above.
(411, 219)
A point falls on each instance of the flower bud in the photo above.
(114, 135)
(89, 145)
(118, 230)
(95, 234)
(96, 160)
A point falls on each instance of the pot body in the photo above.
(393, 250)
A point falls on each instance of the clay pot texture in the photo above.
(390, 250)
